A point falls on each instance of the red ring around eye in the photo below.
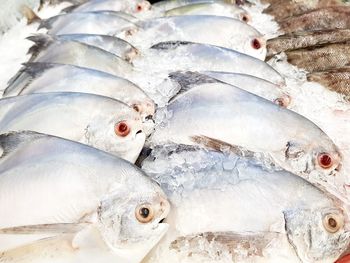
(325, 160)
(256, 44)
(122, 129)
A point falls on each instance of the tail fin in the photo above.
(41, 42)
(31, 16)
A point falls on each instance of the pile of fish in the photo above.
(162, 133)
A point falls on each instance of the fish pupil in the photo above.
(332, 222)
(244, 18)
(123, 127)
(256, 44)
(144, 212)
(326, 160)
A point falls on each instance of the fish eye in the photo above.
(332, 223)
(256, 44)
(325, 160)
(122, 129)
(245, 18)
(136, 107)
(282, 101)
(138, 7)
(144, 213)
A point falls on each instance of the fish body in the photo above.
(101, 22)
(277, 205)
(75, 203)
(320, 58)
(234, 34)
(86, 118)
(45, 77)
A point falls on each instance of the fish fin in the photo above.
(41, 42)
(187, 79)
(13, 140)
(63, 228)
(29, 14)
(170, 45)
(25, 76)
(220, 146)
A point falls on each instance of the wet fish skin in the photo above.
(57, 190)
(320, 58)
(337, 80)
(75, 116)
(306, 39)
(204, 29)
(194, 180)
(101, 22)
(47, 50)
(222, 112)
(114, 45)
(202, 56)
(319, 19)
(46, 77)
(214, 8)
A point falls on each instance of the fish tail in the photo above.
(30, 15)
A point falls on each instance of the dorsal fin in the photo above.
(41, 42)
(170, 45)
(9, 142)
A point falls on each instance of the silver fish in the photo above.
(46, 77)
(234, 34)
(101, 122)
(75, 218)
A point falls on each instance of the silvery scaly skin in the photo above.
(114, 45)
(48, 50)
(234, 34)
(102, 22)
(215, 8)
(130, 6)
(257, 86)
(240, 118)
(219, 193)
(88, 204)
(177, 55)
(98, 121)
(46, 77)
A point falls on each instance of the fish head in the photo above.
(131, 220)
(320, 235)
(255, 46)
(118, 131)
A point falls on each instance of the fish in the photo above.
(320, 58)
(133, 6)
(48, 50)
(282, 9)
(112, 126)
(100, 22)
(211, 8)
(221, 112)
(234, 34)
(257, 86)
(337, 80)
(306, 39)
(272, 214)
(79, 218)
(180, 55)
(46, 77)
(114, 45)
(335, 17)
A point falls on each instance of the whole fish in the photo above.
(47, 49)
(337, 80)
(234, 34)
(294, 217)
(46, 77)
(257, 86)
(306, 39)
(101, 122)
(100, 22)
(131, 6)
(320, 58)
(114, 45)
(82, 214)
(172, 56)
(335, 17)
(282, 9)
(214, 8)
(225, 113)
